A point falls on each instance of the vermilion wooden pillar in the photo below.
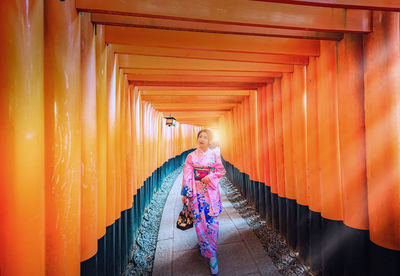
(290, 184)
(328, 148)
(272, 156)
(129, 148)
(331, 191)
(313, 167)
(240, 139)
(253, 106)
(261, 152)
(137, 145)
(111, 160)
(252, 103)
(124, 175)
(352, 131)
(233, 138)
(299, 132)
(247, 153)
(280, 171)
(236, 138)
(22, 188)
(129, 170)
(352, 151)
(266, 163)
(247, 134)
(62, 80)
(263, 110)
(101, 108)
(290, 181)
(288, 144)
(89, 148)
(260, 131)
(299, 156)
(230, 147)
(382, 113)
(118, 168)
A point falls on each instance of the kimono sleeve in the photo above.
(188, 175)
(219, 172)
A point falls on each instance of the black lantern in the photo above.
(170, 121)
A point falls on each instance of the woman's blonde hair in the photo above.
(209, 134)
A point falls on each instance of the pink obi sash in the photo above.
(201, 172)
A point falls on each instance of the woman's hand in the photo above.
(206, 180)
(184, 199)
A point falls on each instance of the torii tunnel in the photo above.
(304, 94)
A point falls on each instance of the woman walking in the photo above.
(201, 175)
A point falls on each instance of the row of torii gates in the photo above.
(305, 96)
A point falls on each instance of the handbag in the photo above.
(185, 219)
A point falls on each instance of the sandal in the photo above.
(214, 265)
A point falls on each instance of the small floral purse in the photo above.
(185, 219)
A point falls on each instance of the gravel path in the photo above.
(142, 256)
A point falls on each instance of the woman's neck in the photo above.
(203, 148)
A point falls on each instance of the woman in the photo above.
(201, 175)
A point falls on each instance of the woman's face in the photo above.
(203, 139)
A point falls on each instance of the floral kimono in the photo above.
(204, 199)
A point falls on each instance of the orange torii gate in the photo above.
(304, 95)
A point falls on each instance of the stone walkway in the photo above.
(239, 250)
